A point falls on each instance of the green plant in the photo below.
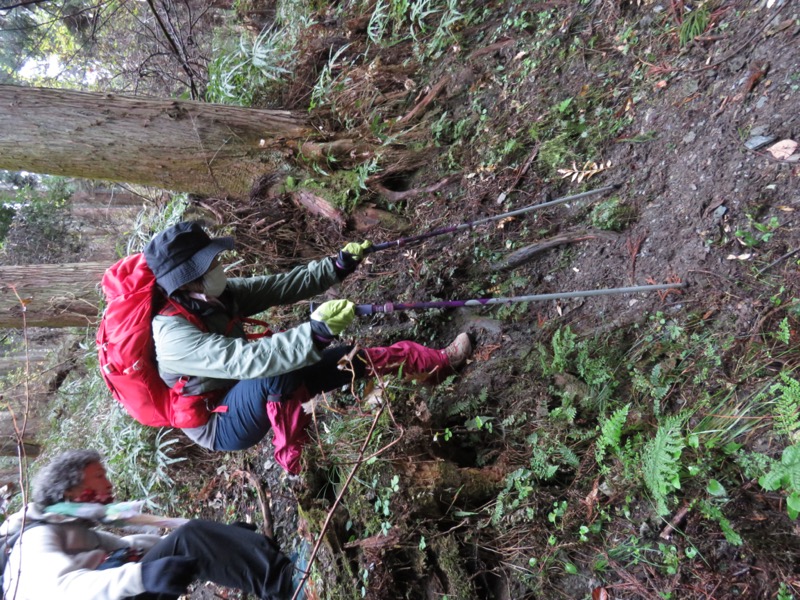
(661, 462)
(757, 233)
(611, 433)
(519, 485)
(563, 343)
(784, 593)
(655, 386)
(786, 411)
(711, 510)
(321, 93)
(239, 75)
(694, 24)
(38, 223)
(785, 475)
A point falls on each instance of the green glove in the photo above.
(350, 257)
(356, 250)
(334, 315)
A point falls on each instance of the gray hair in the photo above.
(64, 472)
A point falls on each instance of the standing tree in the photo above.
(62, 295)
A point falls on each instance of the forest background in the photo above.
(629, 446)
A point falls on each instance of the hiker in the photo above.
(254, 384)
(61, 555)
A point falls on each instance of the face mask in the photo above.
(214, 281)
(92, 496)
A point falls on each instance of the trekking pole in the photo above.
(415, 239)
(369, 309)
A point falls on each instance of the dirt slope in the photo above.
(499, 483)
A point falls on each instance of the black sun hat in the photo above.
(182, 253)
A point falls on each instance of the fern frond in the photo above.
(715, 513)
(786, 413)
(611, 432)
(568, 456)
(563, 343)
(790, 465)
(661, 461)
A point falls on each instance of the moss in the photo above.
(459, 584)
(612, 215)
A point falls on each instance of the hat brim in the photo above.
(195, 267)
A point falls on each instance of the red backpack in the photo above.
(126, 349)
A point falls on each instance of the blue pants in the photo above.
(246, 422)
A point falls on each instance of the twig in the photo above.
(361, 459)
(673, 524)
(634, 245)
(775, 262)
(266, 513)
(523, 255)
(491, 48)
(520, 173)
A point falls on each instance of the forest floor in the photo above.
(607, 447)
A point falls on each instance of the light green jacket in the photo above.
(216, 359)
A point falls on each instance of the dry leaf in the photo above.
(783, 149)
(600, 593)
(661, 84)
(505, 221)
(786, 208)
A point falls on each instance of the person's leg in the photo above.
(325, 375)
(228, 555)
(244, 421)
(407, 357)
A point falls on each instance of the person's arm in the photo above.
(183, 349)
(140, 541)
(48, 571)
(255, 294)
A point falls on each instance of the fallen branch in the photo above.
(318, 206)
(491, 48)
(396, 196)
(523, 255)
(423, 104)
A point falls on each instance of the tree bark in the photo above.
(63, 295)
(176, 145)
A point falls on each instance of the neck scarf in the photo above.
(117, 514)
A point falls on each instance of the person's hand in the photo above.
(170, 575)
(350, 257)
(332, 318)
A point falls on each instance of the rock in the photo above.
(690, 137)
(761, 102)
(719, 213)
(759, 141)
(737, 63)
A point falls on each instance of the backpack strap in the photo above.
(267, 332)
(173, 308)
(10, 541)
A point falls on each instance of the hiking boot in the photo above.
(459, 350)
